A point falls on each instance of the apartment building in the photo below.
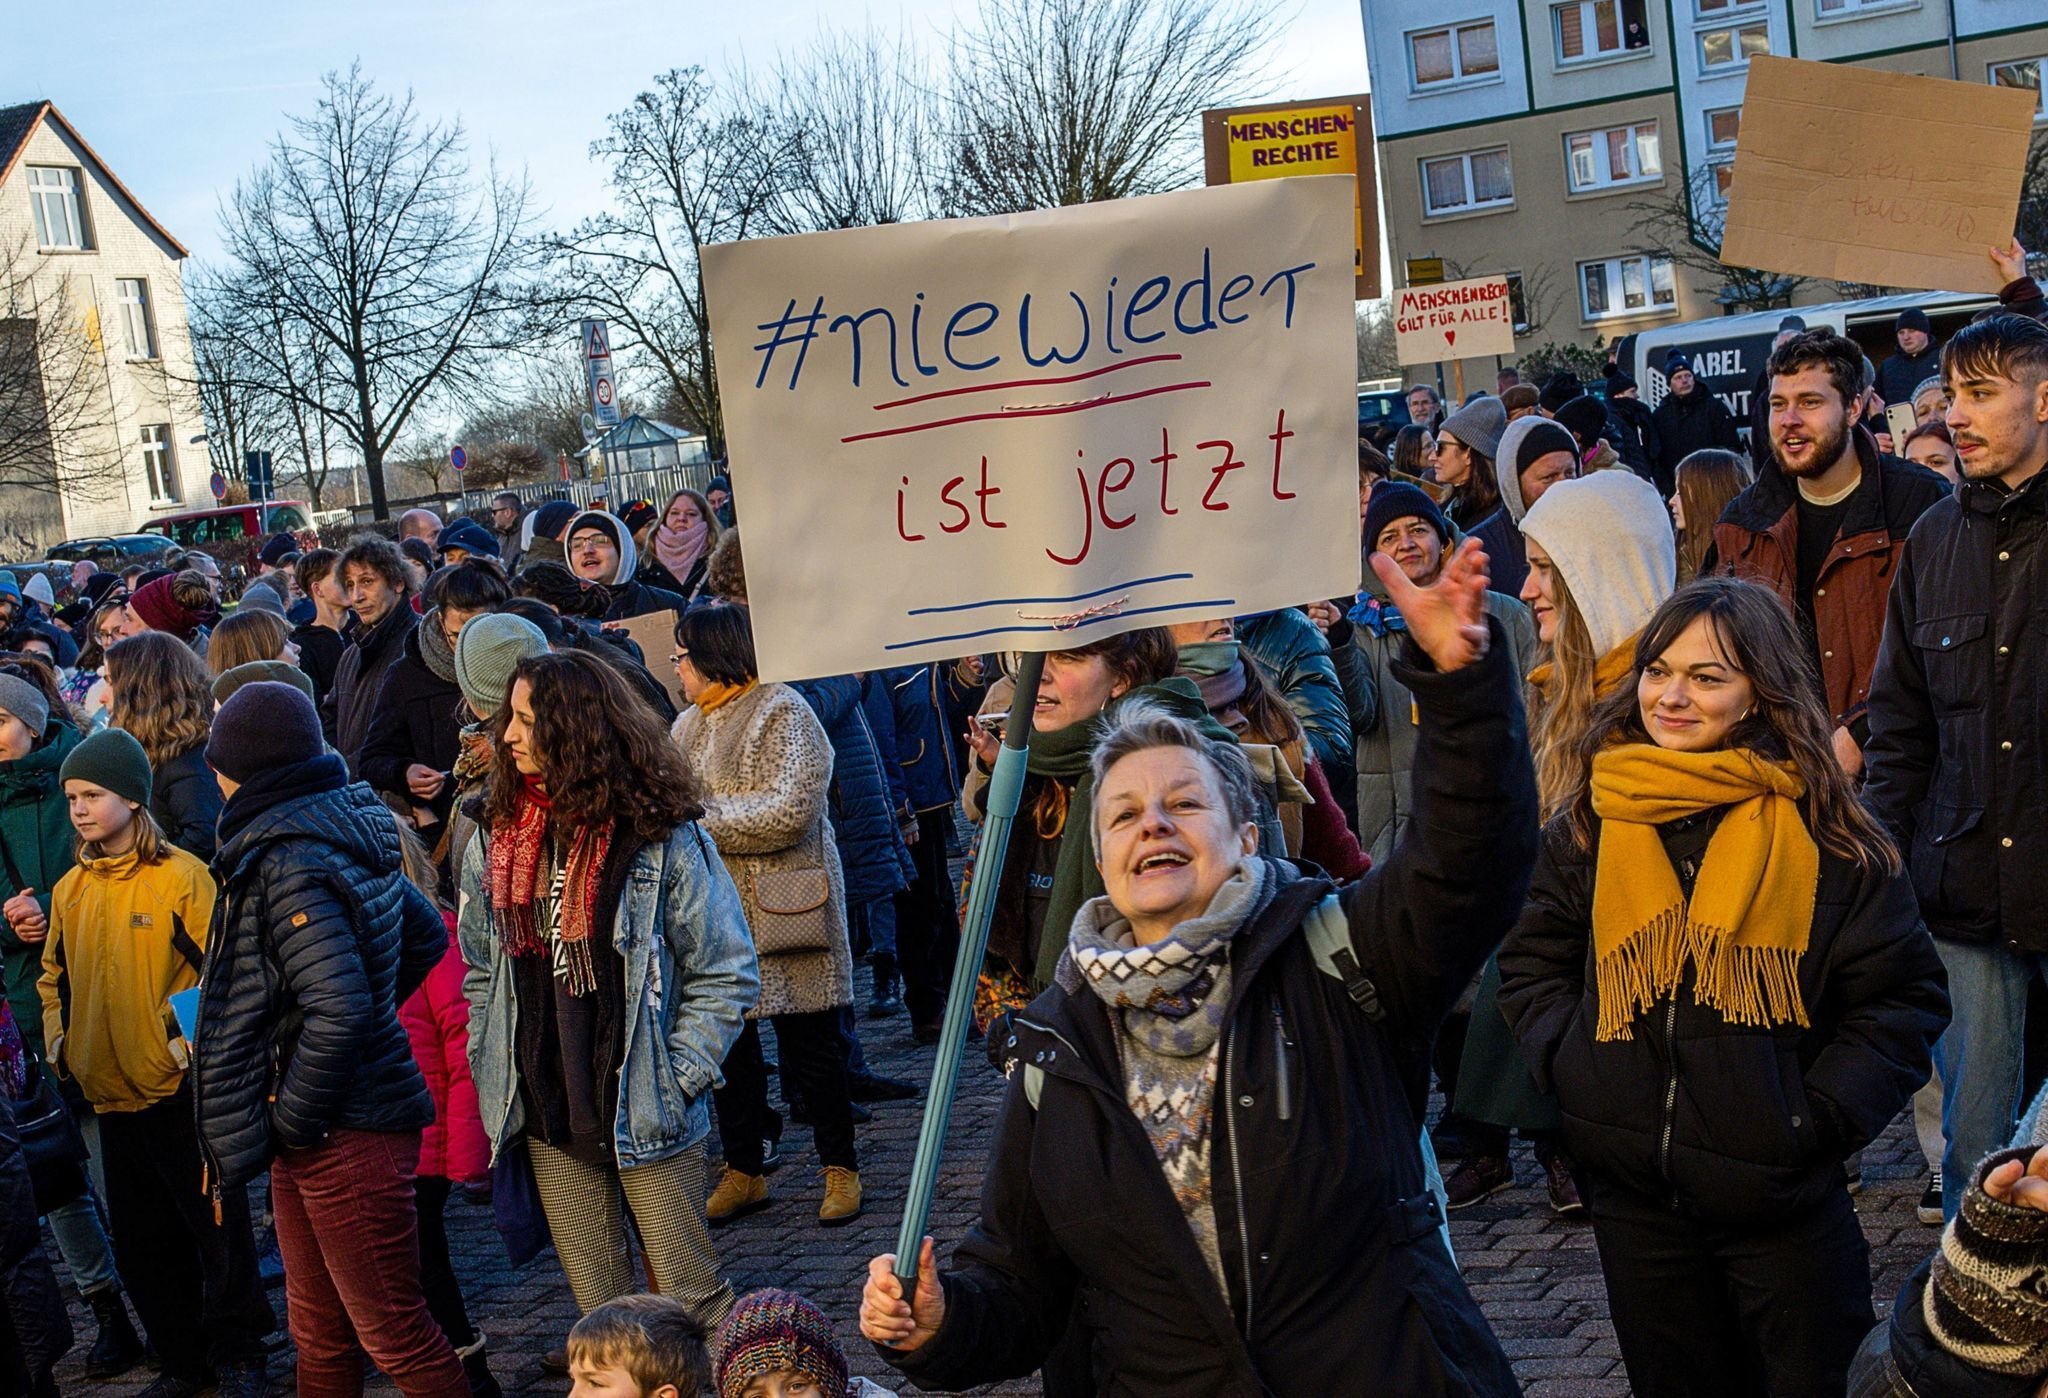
(1538, 138)
(91, 288)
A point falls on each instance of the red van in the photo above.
(233, 523)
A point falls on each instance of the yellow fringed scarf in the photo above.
(1752, 904)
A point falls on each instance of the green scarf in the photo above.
(1065, 756)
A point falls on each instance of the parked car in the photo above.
(1382, 413)
(111, 551)
(248, 525)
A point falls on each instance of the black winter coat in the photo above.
(359, 679)
(1689, 424)
(1958, 755)
(185, 801)
(418, 718)
(928, 710)
(635, 598)
(1729, 1123)
(1339, 1281)
(320, 652)
(1296, 658)
(1901, 373)
(317, 938)
(1641, 449)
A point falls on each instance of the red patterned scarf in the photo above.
(518, 868)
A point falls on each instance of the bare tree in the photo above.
(365, 234)
(1376, 351)
(688, 168)
(1684, 221)
(58, 432)
(1053, 102)
(2032, 225)
(856, 133)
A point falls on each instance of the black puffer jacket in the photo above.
(418, 718)
(184, 798)
(1689, 424)
(317, 938)
(1729, 1123)
(635, 598)
(1339, 1281)
(359, 679)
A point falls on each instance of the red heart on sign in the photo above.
(1450, 337)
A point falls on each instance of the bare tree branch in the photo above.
(1684, 221)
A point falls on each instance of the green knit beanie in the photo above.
(112, 760)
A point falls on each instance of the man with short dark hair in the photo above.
(506, 516)
(322, 638)
(1760, 393)
(378, 588)
(1506, 379)
(1959, 723)
(1638, 427)
(1825, 520)
(1424, 407)
(1918, 359)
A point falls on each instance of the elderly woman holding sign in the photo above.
(1208, 1157)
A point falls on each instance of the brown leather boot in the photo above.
(842, 1196)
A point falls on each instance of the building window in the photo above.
(53, 196)
(1454, 54)
(1724, 180)
(1843, 9)
(133, 295)
(1518, 302)
(1723, 127)
(2024, 73)
(1626, 286)
(157, 466)
(1729, 48)
(1708, 9)
(1609, 159)
(1462, 184)
(1585, 29)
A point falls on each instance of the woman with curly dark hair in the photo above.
(162, 694)
(609, 968)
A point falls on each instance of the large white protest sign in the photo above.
(1031, 431)
(1453, 320)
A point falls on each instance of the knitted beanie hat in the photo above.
(160, 611)
(25, 702)
(773, 1331)
(488, 651)
(274, 549)
(262, 726)
(1478, 425)
(1610, 537)
(9, 587)
(1399, 500)
(1526, 441)
(112, 760)
(38, 590)
(1584, 417)
(1559, 389)
(261, 599)
(275, 671)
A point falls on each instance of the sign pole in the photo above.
(1005, 791)
(1458, 378)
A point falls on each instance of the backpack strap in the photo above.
(1329, 940)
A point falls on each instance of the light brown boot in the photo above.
(736, 1194)
(842, 1196)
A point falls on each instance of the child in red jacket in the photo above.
(454, 1150)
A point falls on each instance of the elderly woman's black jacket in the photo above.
(1339, 1278)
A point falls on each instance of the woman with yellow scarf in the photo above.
(1722, 975)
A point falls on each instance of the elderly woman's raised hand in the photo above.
(886, 1318)
(1448, 617)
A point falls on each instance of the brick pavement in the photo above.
(1537, 1278)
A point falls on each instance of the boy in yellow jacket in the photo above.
(127, 931)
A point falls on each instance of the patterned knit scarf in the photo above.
(1751, 911)
(1172, 994)
(518, 869)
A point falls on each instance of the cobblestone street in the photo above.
(1537, 1277)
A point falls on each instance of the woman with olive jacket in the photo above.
(1722, 975)
(1207, 1162)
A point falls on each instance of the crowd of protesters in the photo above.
(1672, 804)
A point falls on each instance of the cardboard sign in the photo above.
(1858, 175)
(655, 634)
(1029, 431)
(1453, 320)
(1330, 136)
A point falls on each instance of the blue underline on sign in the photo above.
(1086, 621)
(1041, 601)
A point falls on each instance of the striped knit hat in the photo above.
(772, 1332)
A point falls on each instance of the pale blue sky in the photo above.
(180, 99)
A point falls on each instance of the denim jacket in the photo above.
(690, 977)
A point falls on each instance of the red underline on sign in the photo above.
(1026, 383)
(1102, 402)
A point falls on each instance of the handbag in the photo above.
(516, 1207)
(51, 1145)
(794, 908)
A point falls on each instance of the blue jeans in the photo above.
(1979, 1057)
